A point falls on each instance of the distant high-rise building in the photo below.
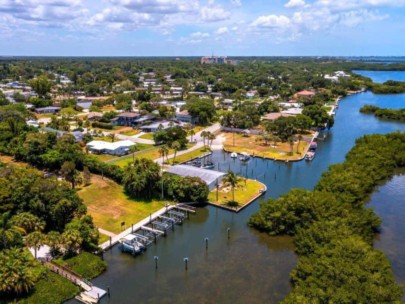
(216, 60)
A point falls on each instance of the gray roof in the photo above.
(208, 176)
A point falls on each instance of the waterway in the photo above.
(381, 76)
(251, 267)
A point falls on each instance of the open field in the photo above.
(245, 192)
(152, 154)
(109, 206)
(249, 144)
(130, 132)
(125, 159)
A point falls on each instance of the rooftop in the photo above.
(208, 176)
(104, 145)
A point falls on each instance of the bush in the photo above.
(102, 125)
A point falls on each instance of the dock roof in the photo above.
(208, 176)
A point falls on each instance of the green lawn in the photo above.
(147, 136)
(244, 193)
(85, 264)
(188, 156)
(130, 132)
(103, 238)
(109, 206)
(151, 153)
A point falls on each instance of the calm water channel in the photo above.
(252, 267)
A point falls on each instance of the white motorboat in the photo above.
(234, 155)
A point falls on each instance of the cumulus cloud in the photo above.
(158, 6)
(271, 21)
(294, 3)
(214, 14)
(222, 30)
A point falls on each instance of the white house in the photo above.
(116, 148)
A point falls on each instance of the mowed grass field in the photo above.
(246, 190)
(249, 144)
(109, 206)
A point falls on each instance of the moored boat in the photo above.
(234, 155)
(244, 156)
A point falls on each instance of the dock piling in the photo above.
(186, 263)
(229, 233)
(110, 241)
(206, 243)
(108, 291)
(156, 258)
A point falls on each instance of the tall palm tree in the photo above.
(28, 222)
(232, 180)
(176, 146)
(204, 136)
(192, 133)
(133, 149)
(164, 151)
(211, 137)
(299, 141)
(291, 142)
(10, 234)
(35, 239)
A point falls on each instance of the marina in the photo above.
(226, 270)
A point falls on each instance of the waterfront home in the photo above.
(125, 119)
(292, 111)
(116, 148)
(211, 177)
(160, 125)
(305, 94)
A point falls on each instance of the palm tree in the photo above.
(35, 239)
(291, 142)
(299, 141)
(211, 137)
(17, 272)
(28, 222)
(133, 149)
(232, 180)
(112, 136)
(10, 234)
(176, 146)
(165, 151)
(160, 127)
(54, 241)
(204, 135)
(72, 240)
(192, 133)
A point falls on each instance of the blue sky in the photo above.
(202, 27)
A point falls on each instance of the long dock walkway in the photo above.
(114, 240)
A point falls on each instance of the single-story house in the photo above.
(306, 94)
(292, 111)
(116, 148)
(210, 177)
(47, 110)
(184, 116)
(92, 116)
(160, 125)
(274, 116)
(125, 119)
(32, 123)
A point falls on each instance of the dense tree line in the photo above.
(334, 230)
(382, 113)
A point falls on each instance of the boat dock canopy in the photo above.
(210, 177)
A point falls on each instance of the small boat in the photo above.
(130, 244)
(309, 156)
(208, 165)
(234, 155)
(313, 146)
(244, 156)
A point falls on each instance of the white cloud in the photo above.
(294, 3)
(158, 6)
(214, 14)
(200, 35)
(271, 21)
(222, 30)
(237, 3)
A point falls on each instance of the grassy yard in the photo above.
(130, 132)
(251, 146)
(197, 129)
(147, 136)
(109, 206)
(152, 153)
(103, 238)
(85, 264)
(188, 156)
(244, 193)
